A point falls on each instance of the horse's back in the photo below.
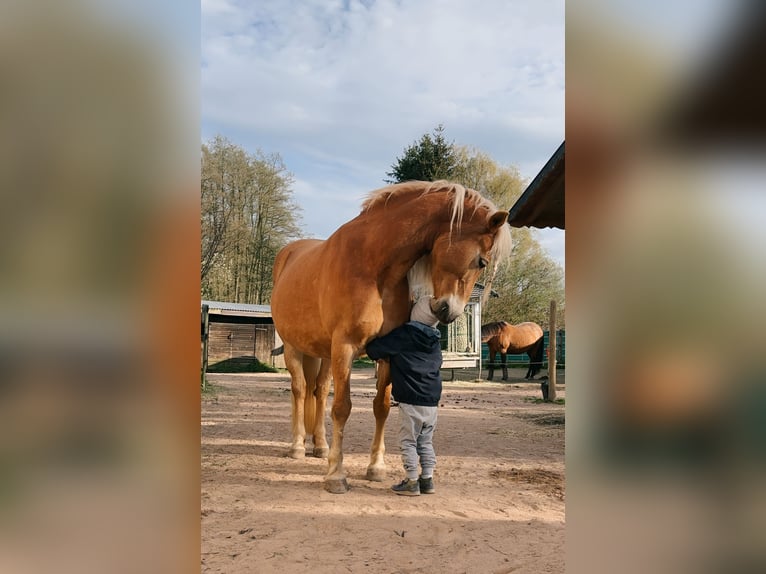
(526, 334)
(292, 252)
(535, 331)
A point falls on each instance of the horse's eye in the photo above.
(482, 263)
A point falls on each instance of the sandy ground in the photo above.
(498, 506)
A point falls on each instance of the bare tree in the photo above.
(248, 214)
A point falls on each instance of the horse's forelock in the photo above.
(419, 278)
(503, 244)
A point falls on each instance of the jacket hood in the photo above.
(424, 335)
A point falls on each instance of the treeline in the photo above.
(248, 214)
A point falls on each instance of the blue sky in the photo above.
(340, 88)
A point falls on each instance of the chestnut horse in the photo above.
(331, 297)
(504, 338)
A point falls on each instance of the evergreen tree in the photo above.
(429, 159)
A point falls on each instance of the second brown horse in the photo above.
(502, 337)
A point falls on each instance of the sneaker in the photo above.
(426, 485)
(407, 487)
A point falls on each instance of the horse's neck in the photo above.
(400, 247)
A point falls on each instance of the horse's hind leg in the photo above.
(531, 370)
(381, 406)
(317, 375)
(294, 363)
(535, 358)
(321, 448)
(491, 365)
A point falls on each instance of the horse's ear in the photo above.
(498, 218)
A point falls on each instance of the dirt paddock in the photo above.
(498, 506)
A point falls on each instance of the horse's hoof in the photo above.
(321, 452)
(297, 453)
(336, 485)
(376, 474)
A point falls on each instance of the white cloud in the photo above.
(340, 88)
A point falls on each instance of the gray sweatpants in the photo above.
(416, 433)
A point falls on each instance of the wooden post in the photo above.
(552, 354)
(205, 336)
(477, 337)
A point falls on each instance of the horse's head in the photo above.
(476, 237)
(458, 260)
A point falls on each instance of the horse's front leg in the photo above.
(294, 363)
(505, 366)
(381, 406)
(342, 355)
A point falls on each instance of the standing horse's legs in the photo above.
(505, 367)
(535, 358)
(531, 370)
(294, 363)
(342, 355)
(491, 366)
(321, 448)
(381, 406)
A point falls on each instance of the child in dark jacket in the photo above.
(414, 352)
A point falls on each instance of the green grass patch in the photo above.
(363, 362)
(241, 365)
(209, 390)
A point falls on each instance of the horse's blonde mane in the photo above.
(460, 194)
(419, 276)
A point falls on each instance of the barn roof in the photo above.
(478, 289)
(542, 203)
(226, 308)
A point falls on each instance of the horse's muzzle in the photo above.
(447, 310)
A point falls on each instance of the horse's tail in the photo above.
(490, 330)
(536, 356)
(310, 408)
(311, 367)
(278, 351)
